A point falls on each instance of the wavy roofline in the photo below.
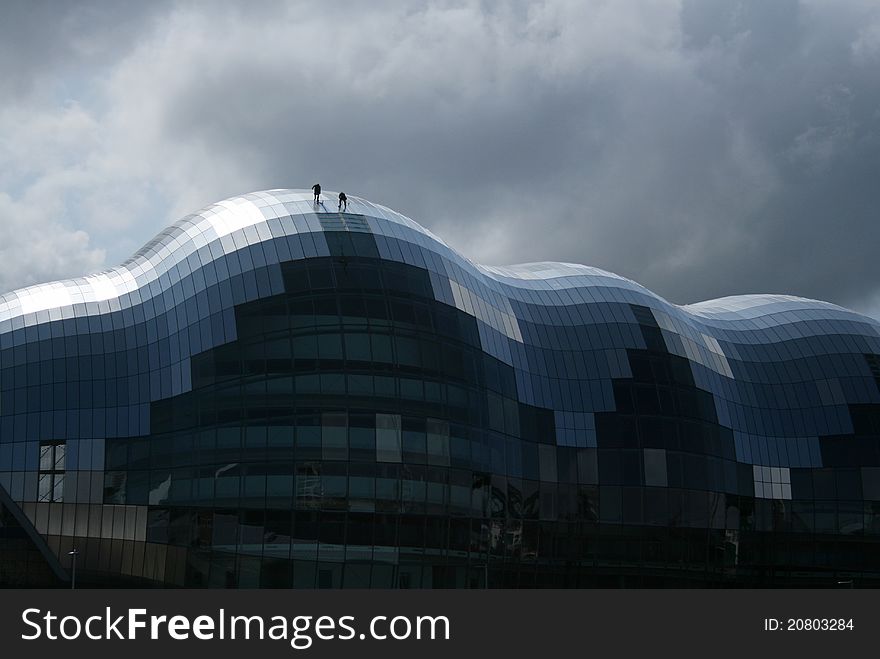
(254, 213)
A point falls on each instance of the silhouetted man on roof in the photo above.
(316, 188)
(343, 202)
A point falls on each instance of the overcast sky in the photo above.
(702, 148)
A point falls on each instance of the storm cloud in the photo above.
(702, 148)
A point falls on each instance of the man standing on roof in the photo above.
(316, 188)
(343, 202)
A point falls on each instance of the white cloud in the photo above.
(37, 249)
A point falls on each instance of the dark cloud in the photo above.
(706, 149)
(53, 39)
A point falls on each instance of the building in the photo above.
(271, 393)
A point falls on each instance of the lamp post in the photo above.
(73, 554)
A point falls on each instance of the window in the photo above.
(388, 432)
(772, 482)
(334, 435)
(655, 467)
(52, 460)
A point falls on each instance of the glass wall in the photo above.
(321, 400)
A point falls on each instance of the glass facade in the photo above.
(274, 394)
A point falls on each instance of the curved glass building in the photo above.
(272, 393)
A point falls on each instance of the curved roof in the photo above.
(237, 222)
